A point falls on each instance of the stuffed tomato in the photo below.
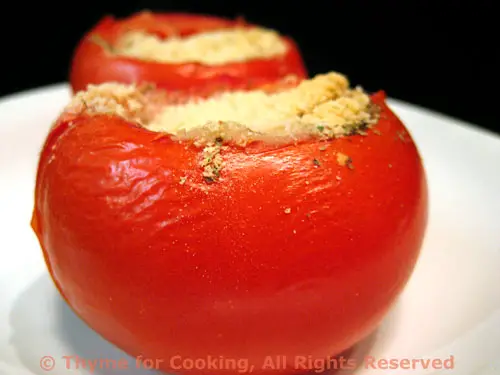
(190, 53)
(251, 224)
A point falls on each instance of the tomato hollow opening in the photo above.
(214, 47)
(323, 107)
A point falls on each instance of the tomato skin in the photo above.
(161, 268)
(93, 65)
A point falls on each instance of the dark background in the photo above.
(440, 54)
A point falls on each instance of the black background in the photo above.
(438, 54)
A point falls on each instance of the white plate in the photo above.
(451, 306)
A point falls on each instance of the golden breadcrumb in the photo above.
(211, 48)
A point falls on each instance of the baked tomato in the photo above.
(217, 234)
(190, 53)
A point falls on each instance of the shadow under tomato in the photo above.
(44, 325)
(352, 360)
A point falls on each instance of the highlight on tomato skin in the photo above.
(252, 224)
(184, 52)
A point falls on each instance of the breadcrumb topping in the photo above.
(344, 160)
(323, 107)
(211, 161)
(211, 48)
(126, 101)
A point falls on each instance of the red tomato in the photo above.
(288, 253)
(92, 63)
